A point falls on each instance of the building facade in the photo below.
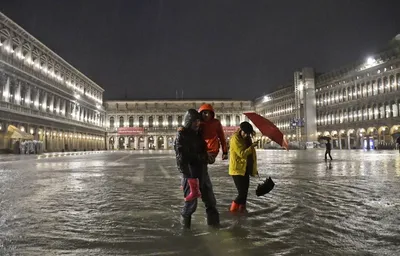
(279, 107)
(357, 106)
(44, 96)
(152, 124)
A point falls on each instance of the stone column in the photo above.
(165, 142)
(27, 97)
(136, 143)
(58, 108)
(348, 142)
(51, 107)
(64, 108)
(155, 138)
(17, 94)
(126, 142)
(36, 100)
(6, 91)
(116, 141)
(44, 102)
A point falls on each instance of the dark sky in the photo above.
(208, 48)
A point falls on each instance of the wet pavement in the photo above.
(127, 203)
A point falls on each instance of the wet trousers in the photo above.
(207, 196)
(242, 185)
(328, 152)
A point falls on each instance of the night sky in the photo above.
(209, 49)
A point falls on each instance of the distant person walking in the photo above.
(328, 150)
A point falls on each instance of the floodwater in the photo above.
(127, 203)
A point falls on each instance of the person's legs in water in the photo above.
(189, 207)
(242, 186)
(208, 198)
(326, 155)
(246, 184)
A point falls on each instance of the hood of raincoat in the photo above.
(207, 107)
(190, 116)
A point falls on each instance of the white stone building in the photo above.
(144, 124)
(42, 95)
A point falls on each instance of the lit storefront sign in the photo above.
(130, 131)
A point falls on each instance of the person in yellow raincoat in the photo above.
(242, 163)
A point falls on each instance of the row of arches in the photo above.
(140, 142)
(382, 137)
(53, 140)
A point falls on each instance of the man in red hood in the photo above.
(212, 132)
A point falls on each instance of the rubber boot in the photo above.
(186, 222)
(234, 207)
(194, 190)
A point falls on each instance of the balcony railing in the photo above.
(40, 114)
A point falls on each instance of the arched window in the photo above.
(112, 122)
(169, 121)
(131, 121)
(160, 121)
(237, 120)
(140, 121)
(228, 120)
(121, 121)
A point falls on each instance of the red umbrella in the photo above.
(267, 128)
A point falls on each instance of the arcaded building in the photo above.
(44, 98)
(152, 124)
(358, 105)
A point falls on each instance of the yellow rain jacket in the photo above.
(238, 153)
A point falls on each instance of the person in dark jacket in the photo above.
(192, 159)
(328, 150)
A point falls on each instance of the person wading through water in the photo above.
(242, 164)
(192, 159)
